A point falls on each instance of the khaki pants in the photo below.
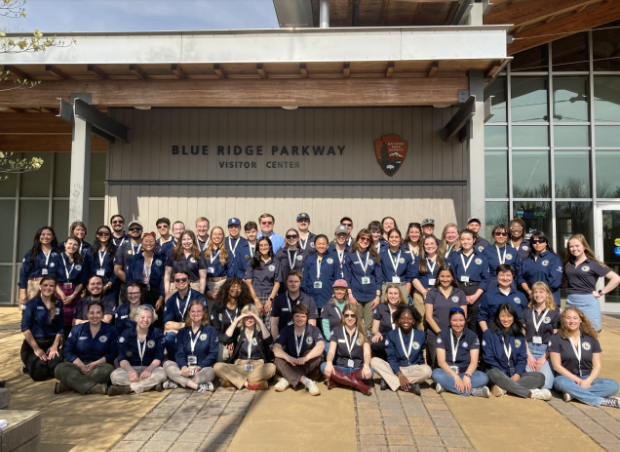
(121, 377)
(237, 375)
(33, 288)
(418, 304)
(366, 311)
(293, 374)
(213, 286)
(70, 375)
(419, 372)
(173, 372)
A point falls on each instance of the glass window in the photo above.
(8, 187)
(605, 43)
(607, 180)
(60, 219)
(571, 136)
(496, 173)
(496, 212)
(7, 226)
(572, 174)
(97, 174)
(529, 99)
(37, 183)
(607, 136)
(572, 218)
(530, 136)
(6, 284)
(571, 53)
(536, 214)
(495, 136)
(535, 59)
(62, 174)
(530, 174)
(570, 99)
(497, 89)
(607, 98)
(32, 216)
(95, 219)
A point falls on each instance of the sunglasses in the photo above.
(180, 279)
(266, 222)
(118, 222)
(364, 239)
(135, 228)
(133, 294)
(349, 316)
(538, 241)
(348, 225)
(103, 233)
(501, 234)
(292, 236)
(162, 226)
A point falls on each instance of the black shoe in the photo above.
(159, 387)
(24, 369)
(2, 383)
(114, 390)
(383, 385)
(414, 388)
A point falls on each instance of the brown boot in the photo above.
(331, 384)
(338, 377)
(358, 382)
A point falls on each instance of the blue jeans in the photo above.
(593, 396)
(478, 379)
(537, 350)
(171, 344)
(346, 370)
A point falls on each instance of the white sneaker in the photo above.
(567, 397)
(439, 388)
(282, 385)
(541, 394)
(169, 384)
(312, 388)
(204, 387)
(481, 392)
(497, 391)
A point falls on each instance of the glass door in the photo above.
(608, 250)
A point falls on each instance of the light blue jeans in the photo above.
(589, 305)
(593, 396)
(537, 350)
(478, 380)
(346, 370)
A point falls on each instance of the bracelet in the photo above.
(467, 375)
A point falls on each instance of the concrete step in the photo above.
(23, 432)
(5, 398)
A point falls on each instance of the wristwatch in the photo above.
(600, 292)
(467, 375)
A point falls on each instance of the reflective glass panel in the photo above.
(571, 53)
(607, 98)
(495, 136)
(62, 174)
(535, 59)
(496, 173)
(570, 99)
(607, 180)
(530, 174)
(32, 216)
(497, 89)
(572, 174)
(572, 218)
(6, 284)
(97, 174)
(7, 226)
(496, 212)
(530, 136)
(571, 136)
(37, 183)
(607, 136)
(529, 99)
(605, 44)
(536, 214)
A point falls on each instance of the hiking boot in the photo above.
(114, 390)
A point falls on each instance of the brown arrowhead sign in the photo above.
(391, 152)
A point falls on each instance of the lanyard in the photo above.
(394, 262)
(233, 249)
(291, 262)
(288, 301)
(141, 350)
(501, 260)
(319, 261)
(337, 311)
(206, 243)
(341, 256)
(513, 245)
(252, 248)
(449, 250)
(236, 314)
(542, 317)
(406, 351)
(47, 257)
(577, 350)
(189, 297)
(431, 267)
(114, 239)
(299, 345)
(146, 271)
(413, 253)
(303, 243)
(193, 342)
(364, 267)
(67, 271)
(101, 258)
(466, 265)
(454, 347)
(249, 340)
(214, 256)
(353, 341)
(136, 251)
(507, 351)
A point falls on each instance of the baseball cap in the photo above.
(428, 221)
(340, 283)
(472, 219)
(341, 229)
(234, 222)
(135, 222)
(303, 216)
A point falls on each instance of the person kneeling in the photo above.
(251, 356)
(196, 352)
(458, 361)
(504, 351)
(349, 350)
(405, 367)
(299, 352)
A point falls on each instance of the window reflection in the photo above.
(497, 89)
(607, 180)
(570, 99)
(571, 136)
(530, 174)
(572, 218)
(496, 212)
(496, 173)
(607, 98)
(536, 214)
(530, 136)
(529, 99)
(572, 174)
(571, 53)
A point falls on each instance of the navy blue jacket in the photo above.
(495, 357)
(512, 258)
(490, 301)
(35, 271)
(547, 268)
(239, 265)
(78, 274)
(108, 266)
(80, 344)
(353, 274)
(205, 349)
(86, 248)
(330, 272)
(478, 269)
(122, 319)
(171, 310)
(36, 318)
(405, 266)
(395, 353)
(135, 268)
(128, 347)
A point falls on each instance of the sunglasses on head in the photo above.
(457, 310)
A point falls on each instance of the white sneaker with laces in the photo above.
(541, 394)
(169, 384)
(567, 397)
(312, 388)
(439, 388)
(282, 385)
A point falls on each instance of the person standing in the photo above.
(306, 238)
(119, 236)
(542, 265)
(473, 224)
(321, 270)
(266, 222)
(263, 277)
(40, 261)
(127, 248)
(236, 247)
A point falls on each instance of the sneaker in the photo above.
(159, 387)
(204, 387)
(101, 388)
(567, 397)
(414, 388)
(257, 385)
(169, 384)
(481, 392)
(540, 394)
(2, 383)
(114, 390)
(282, 385)
(439, 388)
(312, 388)
(497, 391)
(611, 402)
(59, 388)
(24, 369)
(383, 385)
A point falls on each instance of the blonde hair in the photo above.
(444, 244)
(248, 308)
(205, 315)
(361, 332)
(401, 298)
(221, 248)
(143, 307)
(586, 326)
(549, 302)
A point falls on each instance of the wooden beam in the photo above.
(493, 69)
(390, 69)
(19, 124)
(346, 70)
(19, 111)
(581, 8)
(303, 71)
(303, 92)
(60, 75)
(384, 9)
(549, 19)
(16, 72)
(592, 17)
(460, 119)
(51, 111)
(526, 12)
(138, 71)
(219, 71)
(178, 71)
(261, 70)
(97, 71)
(350, 13)
(433, 69)
(45, 143)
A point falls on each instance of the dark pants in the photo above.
(472, 309)
(378, 349)
(70, 375)
(150, 297)
(38, 369)
(521, 388)
(431, 348)
(293, 374)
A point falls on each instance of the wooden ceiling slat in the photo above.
(525, 12)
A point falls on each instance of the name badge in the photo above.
(44, 271)
(318, 285)
(396, 279)
(248, 367)
(350, 363)
(67, 285)
(537, 340)
(101, 272)
(365, 280)
(431, 281)
(284, 309)
(455, 369)
(410, 369)
(341, 341)
(464, 278)
(192, 361)
(210, 270)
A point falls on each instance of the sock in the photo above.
(305, 381)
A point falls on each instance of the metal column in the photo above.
(80, 171)
(475, 149)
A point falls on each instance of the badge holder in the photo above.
(248, 367)
(465, 278)
(365, 280)
(396, 279)
(350, 363)
(537, 340)
(101, 272)
(192, 362)
(431, 281)
(455, 369)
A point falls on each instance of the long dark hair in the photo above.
(447, 268)
(244, 298)
(255, 262)
(539, 235)
(36, 243)
(110, 248)
(422, 265)
(371, 249)
(516, 329)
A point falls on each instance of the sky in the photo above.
(58, 16)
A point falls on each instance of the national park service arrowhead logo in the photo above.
(391, 152)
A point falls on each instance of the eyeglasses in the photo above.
(118, 222)
(103, 233)
(135, 228)
(501, 234)
(349, 316)
(266, 222)
(180, 280)
(364, 239)
(162, 226)
(292, 236)
(539, 241)
(457, 310)
(348, 225)
(516, 228)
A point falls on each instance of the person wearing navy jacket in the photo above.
(542, 265)
(362, 272)
(340, 246)
(119, 236)
(177, 308)
(72, 276)
(187, 256)
(79, 230)
(94, 288)
(473, 224)
(140, 354)
(501, 253)
(235, 243)
(426, 272)
(245, 251)
(397, 265)
(37, 263)
(135, 297)
(472, 274)
(43, 327)
(320, 272)
(405, 367)
(505, 292)
(306, 238)
(283, 304)
(517, 240)
(504, 352)
(196, 352)
(376, 231)
(128, 247)
(101, 260)
(90, 351)
(148, 269)
(291, 256)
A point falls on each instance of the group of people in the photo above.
(144, 312)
